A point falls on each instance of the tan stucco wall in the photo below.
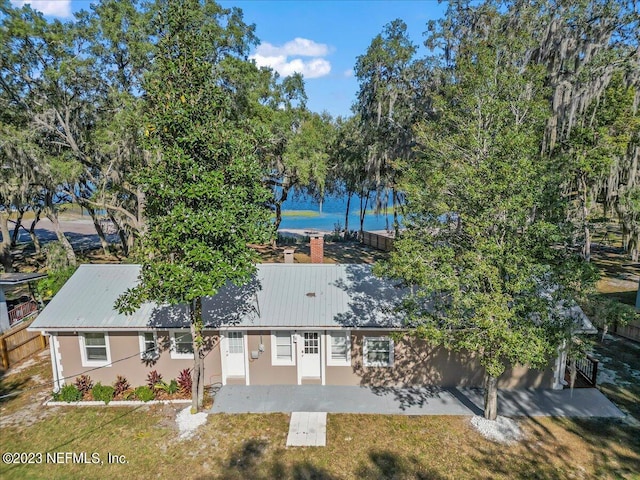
(415, 363)
(125, 359)
(261, 371)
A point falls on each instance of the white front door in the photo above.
(235, 354)
(310, 355)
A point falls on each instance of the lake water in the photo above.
(333, 212)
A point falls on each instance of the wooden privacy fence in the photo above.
(17, 344)
(375, 240)
(630, 331)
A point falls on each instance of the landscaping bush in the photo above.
(84, 384)
(153, 378)
(144, 393)
(170, 388)
(184, 381)
(69, 393)
(121, 385)
(103, 393)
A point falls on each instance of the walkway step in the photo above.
(307, 429)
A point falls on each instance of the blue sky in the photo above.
(319, 38)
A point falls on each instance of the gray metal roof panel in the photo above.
(87, 301)
(279, 296)
(20, 278)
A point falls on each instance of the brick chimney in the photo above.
(288, 255)
(317, 248)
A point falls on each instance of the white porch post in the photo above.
(561, 366)
(4, 312)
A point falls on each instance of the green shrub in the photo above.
(144, 393)
(129, 394)
(70, 393)
(103, 393)
(170, 388)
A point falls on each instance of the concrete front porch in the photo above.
(585, 402)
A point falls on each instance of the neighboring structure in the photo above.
(293, 324)
(14, 312)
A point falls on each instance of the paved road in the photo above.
(81, 233)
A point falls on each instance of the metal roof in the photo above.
(87, 301)
(18, 278)
(279, 296)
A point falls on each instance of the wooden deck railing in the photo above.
(588, 369)
(22, 311)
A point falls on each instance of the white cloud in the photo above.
(277, 58)
(348, 73)
(55, 8)
(297, 47)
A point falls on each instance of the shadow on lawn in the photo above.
(250, 462)
(10, 387)
(542, 455)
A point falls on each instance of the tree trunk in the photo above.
(197, 385)
(346, 216)
(16, 228)
(363, 212)
(195, 373)
(634, 245)
(99, 231)
(121, 234)
(490, 397)
(5, 246)
(586, 248)
(396, 222)
(32, 233)
(64, 241)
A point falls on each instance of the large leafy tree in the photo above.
(479, 250)
(204, 196)
(389, 101)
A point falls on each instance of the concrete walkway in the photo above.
(584, 402)
(307, 429)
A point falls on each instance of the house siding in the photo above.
(261, 370)
(125, 359)
(415, 364)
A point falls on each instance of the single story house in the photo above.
(293, 324)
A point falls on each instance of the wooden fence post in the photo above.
(4, 353)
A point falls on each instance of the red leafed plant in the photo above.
(121, 385)
(153, 378)
(84, 384)
(184, 381)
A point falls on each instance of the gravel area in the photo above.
(501, 430)
(188, 423)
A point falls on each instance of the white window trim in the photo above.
(144, 355)
(175, 355)
(94, 363)
(274, 351)
(366, 363)
(338, 363)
